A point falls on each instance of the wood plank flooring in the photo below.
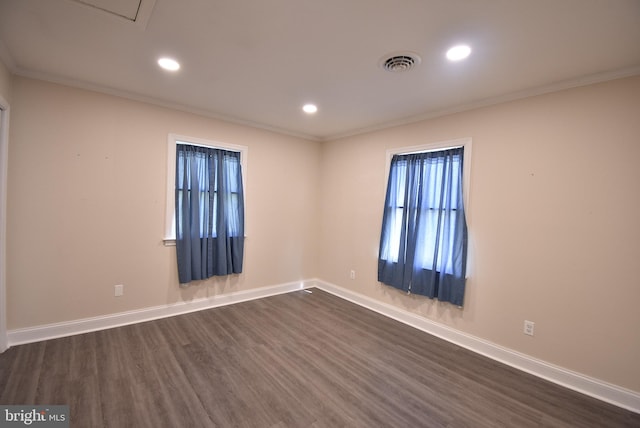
(293, 360)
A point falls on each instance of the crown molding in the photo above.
(512, 96)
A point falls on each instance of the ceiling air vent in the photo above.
(400, 62)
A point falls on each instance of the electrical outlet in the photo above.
(528, 327)
(352, 274)
(118, 290)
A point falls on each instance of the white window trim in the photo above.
(4, 167)
(172, 141)
(437, 146)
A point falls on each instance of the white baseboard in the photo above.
(85, 325)
(601, 390)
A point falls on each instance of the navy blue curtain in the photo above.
(423, 243)
(209, 212)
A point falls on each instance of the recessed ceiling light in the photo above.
(169, 64)
(310, 108)
(458, 52)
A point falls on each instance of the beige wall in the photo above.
(86, 202)
(553, 217)
(553, 212)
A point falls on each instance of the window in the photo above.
(423, 241)
(193, 170)
(173, 141)
(208, 208)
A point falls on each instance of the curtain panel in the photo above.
(209, 212)
(423, 243)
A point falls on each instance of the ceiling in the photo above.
(258, 62)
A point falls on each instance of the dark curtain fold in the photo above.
(209, 212)
(423, 243)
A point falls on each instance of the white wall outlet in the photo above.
(118, 290)
(528, 327)
(352, 274)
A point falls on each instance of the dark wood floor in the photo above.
(293, 360)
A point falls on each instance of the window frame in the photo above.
(465, 142)
(174, 139)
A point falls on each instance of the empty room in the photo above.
(296, 213)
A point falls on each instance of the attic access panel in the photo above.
(127, 9)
